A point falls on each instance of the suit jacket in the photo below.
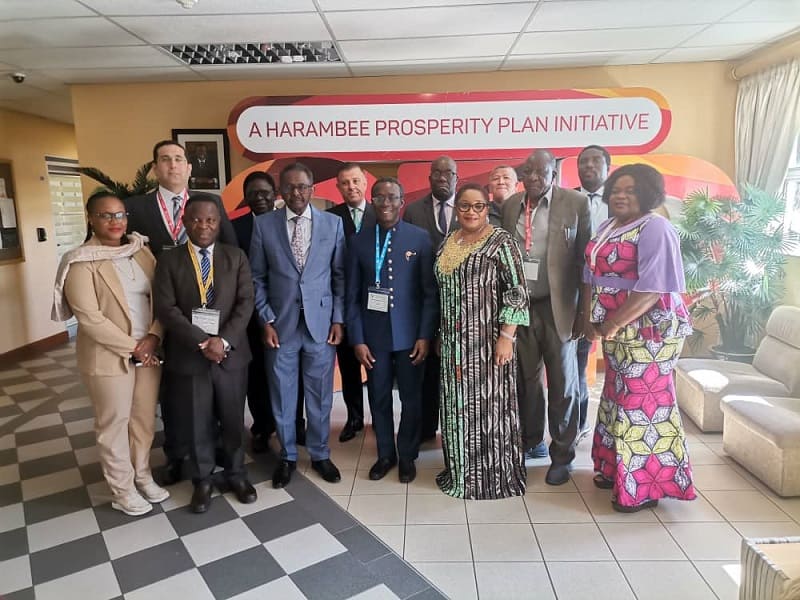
(144, 216)
(282, 289)
(367, 220)
(176, 294)
(420, 213)
(96, 297)
(243, 229)
(407, 273)
(568, 232)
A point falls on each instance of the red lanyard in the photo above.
(173, 227)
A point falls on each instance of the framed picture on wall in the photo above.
(209, 154)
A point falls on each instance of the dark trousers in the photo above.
(177, 433)
(540, 347)
(583, 348)
(352, 387)
(388, 367)
(430, 397)
(212, 405)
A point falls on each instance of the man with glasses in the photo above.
(297, 257)
(502, 185)
(392, 312)
(552, 226)
(435, 213)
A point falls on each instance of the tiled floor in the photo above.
(60, 539)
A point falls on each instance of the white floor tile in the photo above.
(557, 508)
(599, 503)
(38, 362)
(20, 388)
(506, 510)
(99, 493)
(679, 511)
(7, 441)
(718, 477)
(437, 543)
(73, 403)
(45, 375)
(9, 474)
(791, 506)
(300, 549)
(763, 529)
(13, 374)
(343, 501)
(388, 485)
(267, 498)
(340, 488)
(15, 574)
(700, 454)
(641, 541)
(189, 584)
(379, 592)
(42, 449)
(724, 577)
(425, 483)
(11, 517)
(82, 426)
(430, 458)
(216, 542)
(393, 536)
(180, 495)
(536, 482)
(454, 579)
(666, 580)
(53, 532)
(138, 535)
(5, 401)
(503, 543)
(508, 581)
(435, 510)
(707, 541)
(39, 422)
(595, 580)
(96, 583)
(745, 506)
(572, 542)
(378, 509)
(51, 484)
(88, 455)
(29, 405)
(283, 589)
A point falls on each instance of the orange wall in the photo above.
(26, 287)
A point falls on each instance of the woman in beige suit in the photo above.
(106, 284)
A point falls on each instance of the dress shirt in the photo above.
(598, 208)
(210, 251)
(290, 225)
(540, 219)
(168, 196)
(448, 211)
(360, 208)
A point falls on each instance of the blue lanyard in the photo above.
(380, 253)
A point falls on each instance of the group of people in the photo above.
(479, 303)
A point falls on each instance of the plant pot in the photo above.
(745, 356)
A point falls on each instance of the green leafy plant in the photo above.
(734, 252)
(140, 185)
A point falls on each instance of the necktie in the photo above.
(176, 214)
(297, 243)
(442, 218)
(356, 218)
(592, 196)
(205, 269)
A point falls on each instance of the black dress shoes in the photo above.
(350, 429)
(408, 472)
(557, 474)
(201, 498)
(172, 473)
(327, 470)
(381, 468)
(283, 473)
(243, 489)
(260, 443)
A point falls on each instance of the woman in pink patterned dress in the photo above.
(635, 275)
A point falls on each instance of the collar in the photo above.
(586, 192)
(290, 214)
(196, 249)
(449, 202)
(362, 207)
(544, 200)
(167, 195)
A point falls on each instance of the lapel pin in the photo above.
(409, 254)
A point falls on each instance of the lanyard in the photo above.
(529, 217)
(380, 253)
(173, 227)
(202, 287)
(601, 241)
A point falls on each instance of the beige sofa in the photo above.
(702, 383)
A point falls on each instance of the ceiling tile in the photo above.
(277, 71)
(334, 5)
(90, 31)
(423, 22)
(768, 10)
(604, 40)
(425, 48)
(581, 59)
(54, 107)
(13, 91)
(38, 81)
(367, 69)
(204, 7)
(618, 14)
(705, 54)
(725, 34)
(140, 74)
(69, 58)
(26, 9)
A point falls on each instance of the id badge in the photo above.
(531, 266)
(378, 299)
(206, 319)
(166, 247)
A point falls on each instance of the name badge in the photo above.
(206, 319)
(378, 300)
(531, 267)
(166, 247)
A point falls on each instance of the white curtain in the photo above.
(767, 123)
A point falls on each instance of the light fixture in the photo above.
(254, 53)
(187, 3)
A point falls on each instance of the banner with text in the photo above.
(468, 125)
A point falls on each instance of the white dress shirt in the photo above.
(448, 211)
(168, 196)
(597, 208)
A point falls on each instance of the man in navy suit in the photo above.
(356, 214)
(392, 311)
(297, 258)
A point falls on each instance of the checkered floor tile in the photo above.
(60, 538)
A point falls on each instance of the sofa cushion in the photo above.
(778, 354)
(775, 418)
(719, 378)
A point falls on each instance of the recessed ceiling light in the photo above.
(254, 53)
(187, 3)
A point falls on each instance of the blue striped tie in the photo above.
(205, 269)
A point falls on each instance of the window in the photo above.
(791, 191)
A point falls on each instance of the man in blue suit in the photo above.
(392, 311)
(297, 259)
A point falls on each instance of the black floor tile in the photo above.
(68, 558)
(91, 473)
(8, 457)
(4, 383)
(83, 440)
(277, 521)
(428, 593)
(63, 380)
(152, 564)
(77, 414)
(10, 410)
(13, 543)
(317, 503)
(397, 575)
(10, 494)
(56, 505)
(240, 572)
(26, 594)
(39, 394)
(23, 438)
(108, 518)
(185, 522)
(47, 465)
(362, 544)
(325, 581)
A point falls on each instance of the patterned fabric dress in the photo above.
(481, 287)
(639, 442)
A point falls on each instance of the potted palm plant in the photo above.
(140, 185)
(734, 255)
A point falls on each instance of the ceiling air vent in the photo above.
(254, 53)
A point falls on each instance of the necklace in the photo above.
(129, 273)
(479, 235)
(455, 251)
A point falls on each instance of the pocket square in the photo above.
(409, 254)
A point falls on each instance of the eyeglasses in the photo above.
(447, 174)
(478, 207)
(392, 198)
(301, 188)
(115, 216)
(210, 221)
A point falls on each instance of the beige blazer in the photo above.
(96, 297)
(568, 232)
